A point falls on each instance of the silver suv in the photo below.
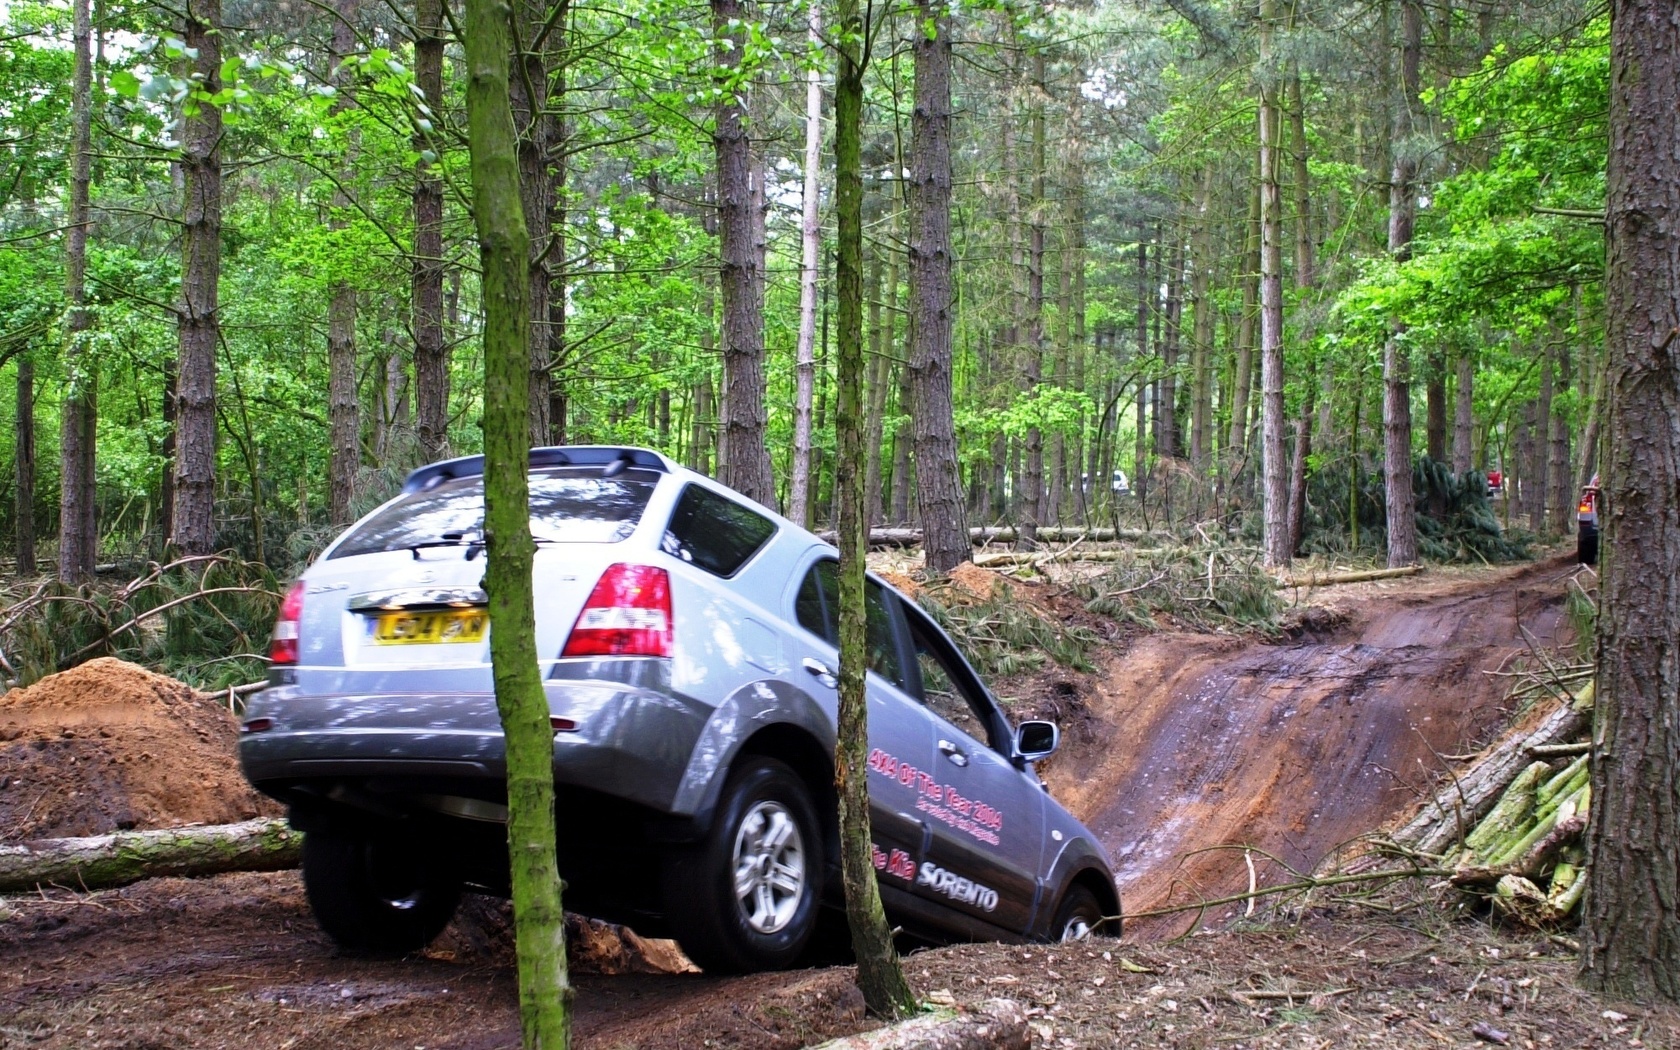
(690, 676)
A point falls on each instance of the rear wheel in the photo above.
(746, 897)
(1079, 917)
(377, 895)
(1586, 544)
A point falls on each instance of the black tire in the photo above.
(1079, 916)
(1586, 545)
(765, 826)
(377, 896)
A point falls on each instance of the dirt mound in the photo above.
(108, 746)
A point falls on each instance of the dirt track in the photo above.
(1298, 747)
(1291, 748)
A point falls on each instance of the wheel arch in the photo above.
(1100, 884)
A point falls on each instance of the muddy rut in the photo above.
(1213, 744)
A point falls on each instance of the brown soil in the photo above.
(1212, 744)
(1198, 742)
(108, 746)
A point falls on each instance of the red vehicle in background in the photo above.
(1495, 482)
(1586, 524)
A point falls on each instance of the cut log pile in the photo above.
(1510, 827)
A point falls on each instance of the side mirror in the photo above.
(1036, 740)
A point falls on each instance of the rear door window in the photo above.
(568, 505)
(817, 607)
(714, 532)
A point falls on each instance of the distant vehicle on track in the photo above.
(689, 655)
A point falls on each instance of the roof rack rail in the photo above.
(613, 460)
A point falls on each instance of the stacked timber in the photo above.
(1510, 826)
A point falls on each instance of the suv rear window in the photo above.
(568, 505)
(715, 533)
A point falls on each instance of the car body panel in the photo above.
(365, 728)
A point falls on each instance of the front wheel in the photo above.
(746, 897)
(1079, 917)
(377, 895)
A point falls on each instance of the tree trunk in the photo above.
(198, 327)
(901, 443)
(1541, 445)
(24, 467)
(1145, 299)
(77, 530)
(1631, 922)
(343, 405)
(1032, 482)
(1166, 409)
(1242, 378)
(1305, 275)
(1274, 464)
(879, 975)
(1562, 501)
(745, 456)
(799, 480)
(102, 861)
(1201, 339)
(878, 374)
(529, 82)
(939, 502)
(1463, 420)
(504, 251)
(431, 349)
(1397, 368)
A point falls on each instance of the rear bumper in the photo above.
(631, 741)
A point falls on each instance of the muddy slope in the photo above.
(1297, 747)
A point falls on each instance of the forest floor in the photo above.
(1182, 747)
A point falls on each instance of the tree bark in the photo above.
(431, 349)
(745, 456)
(1397, 368)
(1274, 464)
(1631, 922)
(1463, 420)
(879, 975)
(198, 326)
(24, 468)
(343, 404)
(1562, 496)
(1032, 480)
(102, 861)
(1166, 408)
(1305, 275)
(939, 500)
(1201, 338)
(504, 251)
(1539, 473)
(810, 231)
(529, 83)
(1145, 299)
(1242, 378)
(77, 530)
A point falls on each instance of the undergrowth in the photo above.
(1214, 587)
(1003, 635)
(204, 620)
(1456, 522)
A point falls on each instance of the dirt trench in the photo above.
(1207, 744)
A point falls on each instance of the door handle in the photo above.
(951, 751)
(820, 672)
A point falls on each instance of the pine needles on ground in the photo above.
(204, 620)
(1214, 587)
(1003, 635)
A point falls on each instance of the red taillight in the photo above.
(627, 614)
(284, 648)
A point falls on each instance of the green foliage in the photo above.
(205, 621)
(1002, 635)
(1213, 587)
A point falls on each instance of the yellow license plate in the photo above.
(430, 628)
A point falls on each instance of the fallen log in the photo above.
(997, 1024)
(1560, 750)
(1460, 804)
(128, 856)
(907, 537)
(1334, 578)
(987, 561)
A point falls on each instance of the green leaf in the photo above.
(125, 84)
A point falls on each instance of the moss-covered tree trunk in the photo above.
(879, 975)
(431, 349)
(544, 991)
(1631, 926)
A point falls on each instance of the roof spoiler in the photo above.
(611, 459)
